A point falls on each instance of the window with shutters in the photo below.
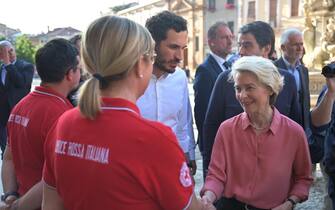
(211, 5)
(294, 7)
(273, 13)
(251, 11)
(231, 26)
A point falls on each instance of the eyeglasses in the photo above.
(231, 37)
(151, 56)
(77, 67)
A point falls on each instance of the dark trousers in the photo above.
(3, 139)
(333, 202)
(233, 204)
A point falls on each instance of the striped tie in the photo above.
(227, 65)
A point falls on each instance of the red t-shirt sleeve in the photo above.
(167, 178)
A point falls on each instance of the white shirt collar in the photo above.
(219, 60)
(297, 64)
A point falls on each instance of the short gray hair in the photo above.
(265, 71)
(211, 34)
(287, 33)
(5, 43)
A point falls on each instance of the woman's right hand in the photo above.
(207, 201)
(284, 206)
(208, 197)
(206, 204)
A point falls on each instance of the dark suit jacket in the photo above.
(17, 85)
(224, 105)
(205, 77)
(303, 96)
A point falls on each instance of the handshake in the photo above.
(9, 204)
(206, 205)
(207, 200)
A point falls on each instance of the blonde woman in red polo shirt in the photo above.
(104, 155)
(260, 158)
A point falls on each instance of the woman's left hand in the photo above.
(284, 206)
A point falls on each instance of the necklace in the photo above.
(267, 123)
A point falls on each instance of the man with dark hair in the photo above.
(256, 38)
(170, 36)
(220, 41)
(16, 78)
(160, 24)
(166, 99)
(262, 33)
(58, 66)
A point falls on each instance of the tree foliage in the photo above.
(25, 49)
(2, 37)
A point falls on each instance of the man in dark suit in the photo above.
(16, 78)
(256, 38)
(292, 46)
(220, 40)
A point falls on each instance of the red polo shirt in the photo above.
(117, 161)
(28, 125)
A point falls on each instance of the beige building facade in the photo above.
(311, 17)
(200, 14)
(192, 12)
(220, 10)
(280, 14)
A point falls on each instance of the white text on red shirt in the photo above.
(82, 151)
(18, 119)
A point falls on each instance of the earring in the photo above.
(141, 75)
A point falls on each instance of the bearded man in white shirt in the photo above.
(166, 99)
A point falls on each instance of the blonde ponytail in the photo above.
(110, 48)
(89, 98)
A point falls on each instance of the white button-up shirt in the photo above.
(294, 70)
(167, 100)
(219, 60)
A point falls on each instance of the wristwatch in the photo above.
(293, 202)
(4, 196)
